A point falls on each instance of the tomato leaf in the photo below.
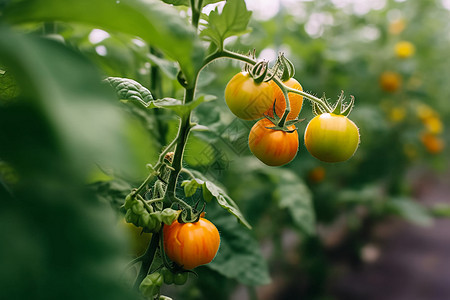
(181, 109)
(50, 134)
(232, 21)
(168, 67)
(213, 191)
(191, 186)
(158, 24)
(410, 210)
(8, 87)
(128, 89)
(239, 255)
(294, 195)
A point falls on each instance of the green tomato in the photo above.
(331, 138)
(247, 99)
(180, 278)
(167, 275)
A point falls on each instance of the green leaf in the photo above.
(191, 186)
(239, 255)
(188, 2)
(168, 67)
(179, 108)
(440, 210)
(155, 22)
(50, 135)
(128, 89)
(294, 195)
(410, 210)
(64, 85)
(232, 21)
(206, 193)
(8, 87)
(222, 199)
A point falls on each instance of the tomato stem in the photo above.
(147, 260)
(288, 104)
(233, 55)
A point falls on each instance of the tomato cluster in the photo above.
(330, 137)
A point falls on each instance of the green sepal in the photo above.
(349, 107)
(288, 68)
(338, 106)
(318, 109)
(259, 72)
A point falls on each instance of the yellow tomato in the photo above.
(404, 49)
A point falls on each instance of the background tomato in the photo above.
(331, 138)
(272, 147)
(191, 244)
(295, 100)
(390, 81)
(246, 99)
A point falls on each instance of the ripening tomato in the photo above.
(191, 244)
(247, 99)
(295, 100)
(272, 147)
(432, 143)
(331, 138)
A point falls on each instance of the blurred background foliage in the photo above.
(61, 128)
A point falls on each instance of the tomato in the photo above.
(295, 100)
(180, 278)
(272, 147)
(191, 244)
(390, 81)
(317, 174)
(432, 143)
(331, 138)
(246, 99)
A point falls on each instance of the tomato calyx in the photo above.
(339, 108)
(287, 67)
(191, 215)
(276, 122)
(259, 72)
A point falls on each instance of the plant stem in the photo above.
(147, 260)
(196, 10)
(286, 98)
(182, 136)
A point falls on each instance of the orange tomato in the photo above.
(295, 100)
(432, 143)
(272, 147)
(191, 244)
